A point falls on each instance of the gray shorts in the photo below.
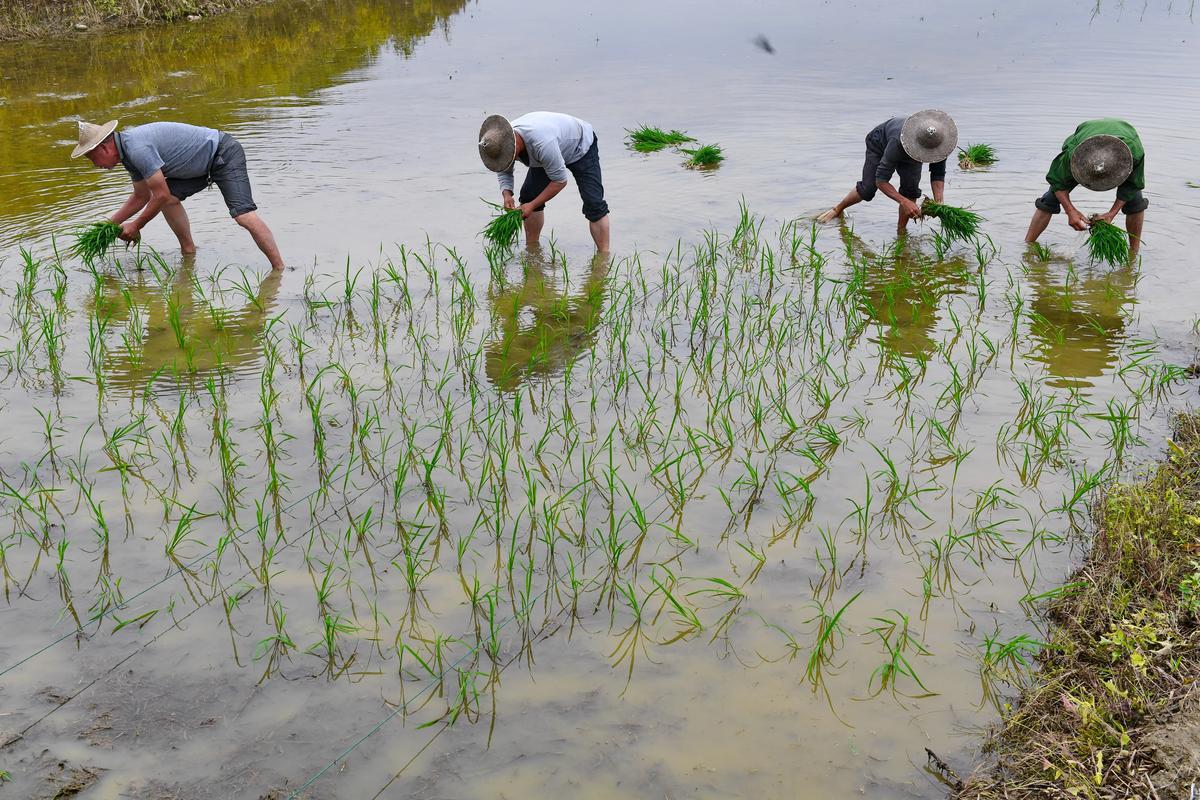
(228, 172)
(587, 177)
(1049, 203)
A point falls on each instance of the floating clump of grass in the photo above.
(976, 155)
(1108, 243)
(93, 241)
(705, 157)
(957, 223)
(504, 227)
(645, 139)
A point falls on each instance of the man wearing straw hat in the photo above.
(1101, 155)
(552, 146)
(903, 144)
(168, 163)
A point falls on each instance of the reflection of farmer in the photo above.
(540, 327)
(213, 338)
(168, 163)
(903, 291)
(551, 145)
(1077, 321)
(903, 144)
(1101, 155)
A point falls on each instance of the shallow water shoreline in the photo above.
(31, 19)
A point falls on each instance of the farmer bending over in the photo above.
(551, 145)
(168, 163)
(1101, 155)
(903, 144)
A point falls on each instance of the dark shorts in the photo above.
(228, 172)
(1049, 203)
(910, 175)
(587, 177)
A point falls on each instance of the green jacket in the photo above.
(1060, 178)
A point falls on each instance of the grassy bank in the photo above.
(1114, 710)
(23, 19)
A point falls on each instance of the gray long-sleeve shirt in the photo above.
(886, 136)
(551, 142)
(179, 150)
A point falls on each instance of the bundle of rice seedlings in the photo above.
(504, 227)
(93, 241)
(706, 156)
(645, 139)
(976, 155)
(1108, 243)
(957, 223)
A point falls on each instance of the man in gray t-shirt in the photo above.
(168, 162)
(554, 147)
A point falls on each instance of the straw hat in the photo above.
(1101, 162)
(929, 136)
(497, 147)
(90, 136)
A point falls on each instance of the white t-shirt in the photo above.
(551, 142)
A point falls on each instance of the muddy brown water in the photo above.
(604, 447)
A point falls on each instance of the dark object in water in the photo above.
(764, 44)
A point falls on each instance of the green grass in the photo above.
(957, 223)
(1108, 243)
(706, 156)
(976, 155)
(93, 241)
(645, 139)
(504, 227)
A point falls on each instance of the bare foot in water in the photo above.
(829, 216)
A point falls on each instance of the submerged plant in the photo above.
(645, 139)
(976, 155)
(957, 223)
(1108, 243)
(93, 241)
(504, 227)
(705, 156)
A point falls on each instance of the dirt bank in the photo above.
(24, 19)
(1114, 710)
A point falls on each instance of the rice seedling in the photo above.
(504, 227)
(707, 156)
(646, 139)
(958, 224)
(1107, 243)
(93, 241)
(976, 155)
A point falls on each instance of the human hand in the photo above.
(130, 231)
(526, 210)
(1076, 220)
(509, 203)
(909, 208)
(1109, 217)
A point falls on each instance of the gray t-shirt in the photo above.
(179, 150)
(886, 136)
(551, 142)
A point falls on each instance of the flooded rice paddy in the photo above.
(752, 508)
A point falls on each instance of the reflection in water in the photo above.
(541, 326)
(901, 291)
(1078, 321)
(174, 332)
(275, 55)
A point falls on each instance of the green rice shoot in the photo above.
(976, 155)
(1108, 243)
(707, 156)
(93, 241)
(957, 223)
(645, 139)
(504, 227)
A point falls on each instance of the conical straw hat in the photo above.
(929, 136)
(497, 147)
(90, 136)
(1101, 162)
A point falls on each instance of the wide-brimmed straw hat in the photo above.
(497, 147)
(90, 136)
(929, 136)
(1101, 162)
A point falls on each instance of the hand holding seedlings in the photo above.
(130, 231)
